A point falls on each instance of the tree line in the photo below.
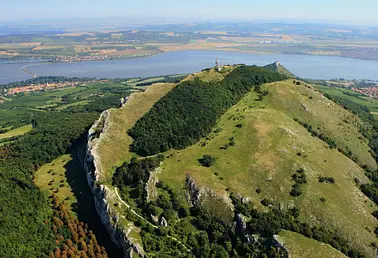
(190, 110)
(27, 223)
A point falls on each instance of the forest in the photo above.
(23, 206)
(31, 224)
(191, 110)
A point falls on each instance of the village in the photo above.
(366, 87)
(369, 91)
(71, 59)
(7, 92)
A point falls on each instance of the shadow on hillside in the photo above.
(85, 208)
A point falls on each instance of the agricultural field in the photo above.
(370, 103)
(72, 46)
(69, 98)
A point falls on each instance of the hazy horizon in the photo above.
(166, 11)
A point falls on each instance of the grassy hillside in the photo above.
(370, 103)
(113, 148)
(270, 146)
(325, 117)
(16, 132)
(259, 149)
(300, 246)
(191, 109)
(279, 68)
(51, 178)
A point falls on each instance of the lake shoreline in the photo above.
(189, 61)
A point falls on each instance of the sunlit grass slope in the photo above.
(16, 132)
(270, 146)
(300, 246)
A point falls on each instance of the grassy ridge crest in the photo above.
(190, 110)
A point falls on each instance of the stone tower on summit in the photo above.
(217, 66)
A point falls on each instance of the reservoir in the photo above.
(305, 66)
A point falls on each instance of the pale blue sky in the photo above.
(333, 10)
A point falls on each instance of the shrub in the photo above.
(295, 212)
(295, 192)
(207, 161)
(266, 202)
(330, 180)
(258, 190)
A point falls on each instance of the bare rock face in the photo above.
(241, 225)
(124, 101)
(194, 191)
(306, 109)
(102, 194)
(151, 190)
(279, 244)
(155, 219)
(163, 222)
(197, 195)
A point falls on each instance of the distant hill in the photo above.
(279, 68)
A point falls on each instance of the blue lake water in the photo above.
(316, 67)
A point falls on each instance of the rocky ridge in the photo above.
(104, 195)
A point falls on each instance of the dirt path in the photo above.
(149, 223)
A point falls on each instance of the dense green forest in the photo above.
(191, 110)
(23, 206)
(30, 225)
